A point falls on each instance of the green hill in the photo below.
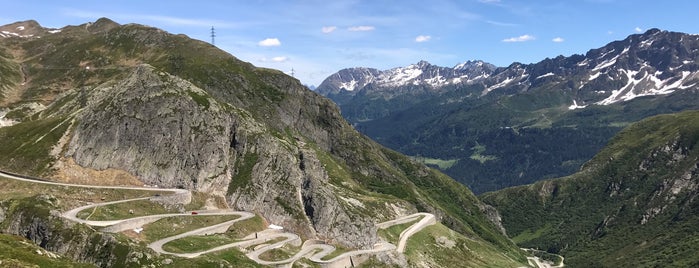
(633, 205)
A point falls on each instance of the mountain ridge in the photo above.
(520, 77)
(493, 134)
(421, 73)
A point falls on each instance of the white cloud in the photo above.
(275, 59)
(638, 30)
(362, 28)
(280, 59)
(558, 40)
(270, 42)
(328, 29)
(422, 38)
(522, 38)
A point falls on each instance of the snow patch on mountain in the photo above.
(6, 34)
(499, 85)
(576, 106)
(648, 85)
(349, 86)
(400, 76)
(545, 75)
(606, 63)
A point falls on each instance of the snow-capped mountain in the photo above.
(653, 63)
(422, 74)
(534, 121)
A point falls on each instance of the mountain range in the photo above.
(110, 104)
(492, 127)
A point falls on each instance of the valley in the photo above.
(633, 203)
(155, 149)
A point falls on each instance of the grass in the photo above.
(200, 99)
(70, 196)
(235, 233)
(392, 234)
(438, 246)
(233, 257)
(279, 254)
(244, 174)
(19, 252)
(124, 210)
(176, 225)
(477, 155)
(337, 252)
(198, 243)
(528, 235)
(442, 164)
(26, 146)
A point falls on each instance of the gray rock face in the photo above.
(2, 214)
(162, 129)
(170, 133)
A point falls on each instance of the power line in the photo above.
(213, 35)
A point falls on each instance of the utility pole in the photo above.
(213, 35)
(292, 72)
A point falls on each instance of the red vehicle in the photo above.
(195, 213)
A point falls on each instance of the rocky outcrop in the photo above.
(160, 128)
(169, 133)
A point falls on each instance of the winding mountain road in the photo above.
(313, 250)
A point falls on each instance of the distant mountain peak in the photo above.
(102, 25)
(22, 29)
(422, 74)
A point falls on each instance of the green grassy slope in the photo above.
(634, 204)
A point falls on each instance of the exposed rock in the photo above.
(493, 216)
(146, 127)
(445, 242)
(2, 213)
(170, 133)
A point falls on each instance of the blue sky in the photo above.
(317, 38)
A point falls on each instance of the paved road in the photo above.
(536, 261)
(313, 250)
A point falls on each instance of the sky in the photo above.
(318, 38)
